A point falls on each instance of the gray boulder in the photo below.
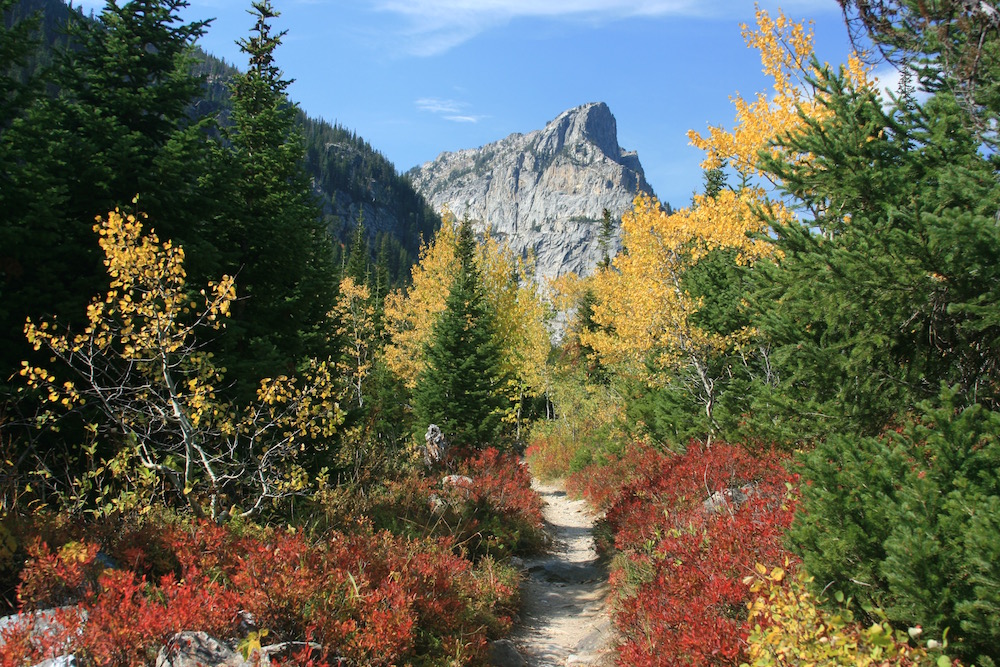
(48, 624)
(503, 653)
(198, 649)
(730, 498)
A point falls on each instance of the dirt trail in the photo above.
(564, 619)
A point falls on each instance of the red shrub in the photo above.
(374, 599)
(681, 599)
(39, 636)
(57, 578)
(502, 482)
(601, 483)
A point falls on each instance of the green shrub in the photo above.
(911, 521)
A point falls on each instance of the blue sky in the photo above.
(418, 77)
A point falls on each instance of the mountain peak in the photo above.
(592, 122)
(543, 192)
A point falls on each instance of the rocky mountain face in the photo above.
(543, 192)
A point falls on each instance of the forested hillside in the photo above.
(352, 180)
(783, 397)
(351, 177)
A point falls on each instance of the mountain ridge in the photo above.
(545, 191)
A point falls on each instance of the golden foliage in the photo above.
(147, 318)
(641, 308)
(139, 364)
(786, 52)
(410, 315)
(520, 316)
(789, 628)
(355, 314)
(643, 312)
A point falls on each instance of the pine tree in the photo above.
(381, 285)
(275, 242)
(911, 521)
(892, 288)
(952, 45)
(883, 314)
(117, 123)
(604, 239)
(17, 43)
(461, 386)
(357, 260)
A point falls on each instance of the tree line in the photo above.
(234, 359)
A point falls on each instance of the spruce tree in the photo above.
(357, 260)
(884, 320)
(460, 388)
(604, 238)
(114, 120)
(274, 239)
(17, 44)
(892, 287)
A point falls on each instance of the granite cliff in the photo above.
(543, 192)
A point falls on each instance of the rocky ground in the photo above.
(565, 620)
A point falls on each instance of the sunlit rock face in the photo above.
(543, 192)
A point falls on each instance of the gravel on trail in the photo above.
(564, 618)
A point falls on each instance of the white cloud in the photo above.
(451, 110)
(435, 26)
(436, 105)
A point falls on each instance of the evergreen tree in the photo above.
(715, 181)
(357, 260)
(116, 123)
(911, 521)
(275, 242)
(604, 239)
(952, 45)
(892, 288)
(461, 386)
(382, 283)
(890, 292)
(17, 43)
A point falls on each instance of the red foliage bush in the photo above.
(375, 599)
(504, 484)
(38, 636)
(494, 512)
(57, 578)
(601, 483)
(678, 576)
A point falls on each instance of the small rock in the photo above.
(456, 480)
(503, 653)
(245, 623)
(438, 506)
(61, 661)
(56, 626)
(285, 651)
(732, 497)
(461, 483)
(196, 649)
